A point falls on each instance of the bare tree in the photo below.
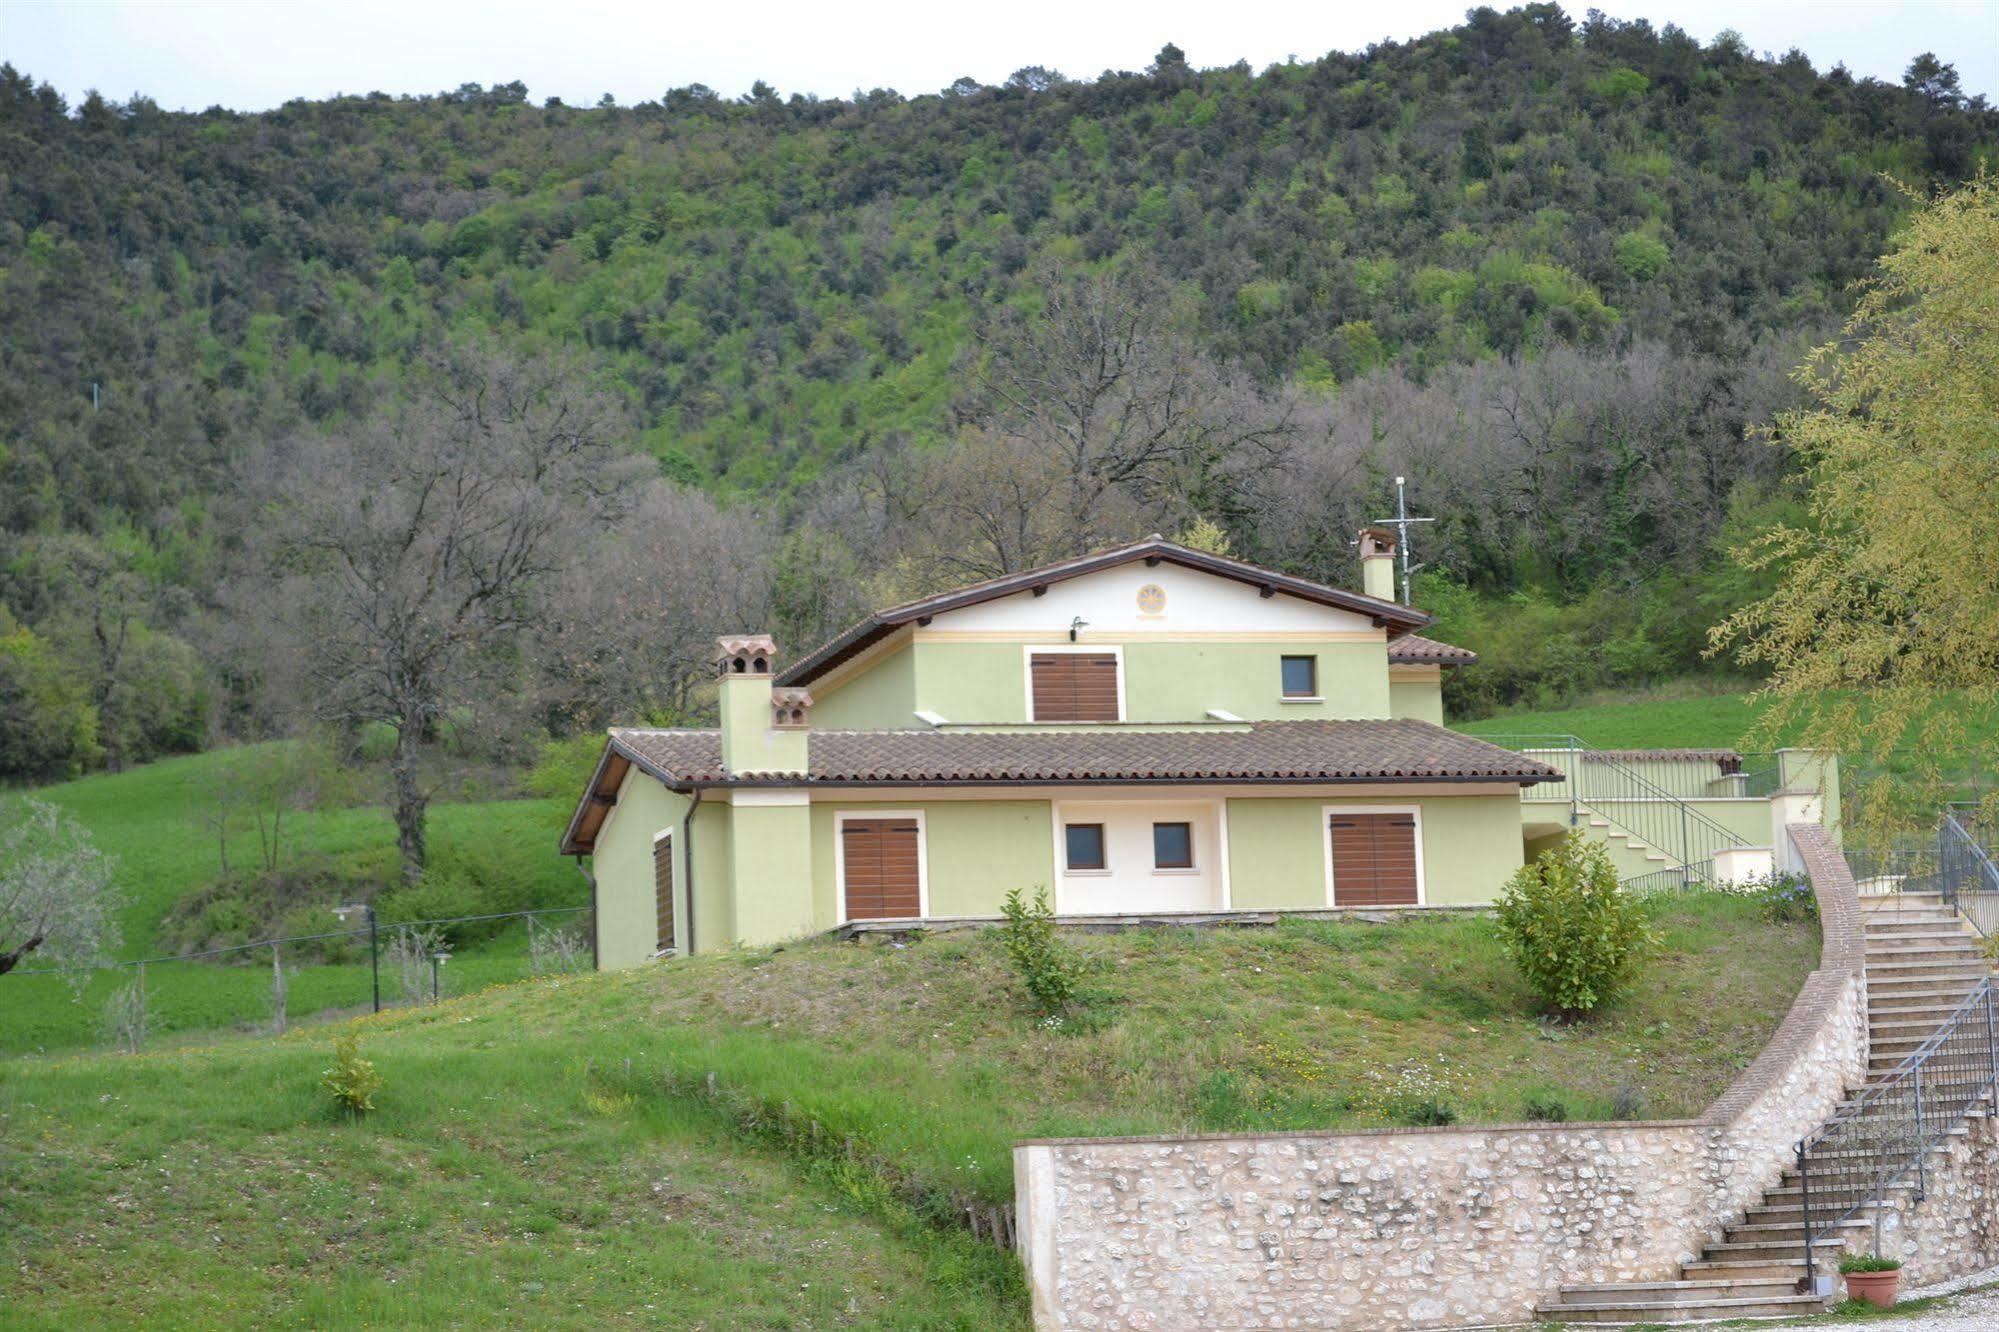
(408, 555)
(631, 626)
(56, 897)
(1106, 389)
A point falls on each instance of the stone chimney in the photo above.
(1377, 562)
(763, 729)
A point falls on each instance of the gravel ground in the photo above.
(1977, 1310)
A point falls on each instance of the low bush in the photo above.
(352, 1081)
(1868, 1262)
(1049, 972)
(1576, 934)
(1785, 898)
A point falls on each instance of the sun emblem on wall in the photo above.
(1151, 599)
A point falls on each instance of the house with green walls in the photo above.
(1146, 731)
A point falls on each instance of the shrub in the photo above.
(1045, 967)
(1545, 1110)
(1785, 898)
(1628, 1103)
(1575, 933)
(1868, 1262)
(352, 1080)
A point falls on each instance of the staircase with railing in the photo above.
(1601, 784)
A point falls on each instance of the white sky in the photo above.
(253, 54)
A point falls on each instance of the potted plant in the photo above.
(1872, 1278)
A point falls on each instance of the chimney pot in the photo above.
(745, 654)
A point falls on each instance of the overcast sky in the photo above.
(252, 54)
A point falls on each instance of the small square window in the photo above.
(1301, 677)
(1173, 846)
(1085, 845)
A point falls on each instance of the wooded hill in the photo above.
(1549, 269)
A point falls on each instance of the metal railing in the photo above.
(1959, 864)
(1595, 782)
(1882, 1138)
(1967, 876)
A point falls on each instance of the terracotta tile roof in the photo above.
(1416, 650)
(1299, 751)
(1393, 615)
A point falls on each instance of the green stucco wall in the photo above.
(1420, 699)
(771, 853)
(1277, 847)
(979, 682)
(975, 851)
(622, 864)
(882, 697)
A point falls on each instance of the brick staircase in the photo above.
(1922, 962)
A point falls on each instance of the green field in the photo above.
(149, 820)
(781, 1137)
(500, 1183)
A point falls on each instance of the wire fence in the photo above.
(266, 984)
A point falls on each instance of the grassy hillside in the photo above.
(498, 1184)
(496, 854)
(576, 1149)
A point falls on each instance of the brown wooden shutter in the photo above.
(662, 892)
(1074, 686)
(1374, 860)
(879, 858)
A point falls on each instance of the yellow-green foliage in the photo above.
(1574, 931)
(1890, 591)
(352, 1080)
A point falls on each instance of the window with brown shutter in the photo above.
(1074, 686)
(879, 866)
(1374, 859)
(662, 893)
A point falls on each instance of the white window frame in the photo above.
(1030, 651)
(1326, 813)
(1058, 820)
(1062, 846)
(840, 818)
(659, 954)
(1193, 865)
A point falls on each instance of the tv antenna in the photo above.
(1402, 522)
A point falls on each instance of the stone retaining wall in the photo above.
(1425, 1228)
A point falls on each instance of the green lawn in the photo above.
(780, 1137)
(500, 1183)
(149, 818)
(1692, 721)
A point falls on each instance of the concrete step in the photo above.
(1682, 1292)
(1793, 1230)
(1788, 1270)
(1773, 1250)
(1925, 1019)
(1969, 964)
(1958, 986)
(1657, 1311)
(1910, 1004)
(1874, 900)
(1913, 933)
(1931, 951)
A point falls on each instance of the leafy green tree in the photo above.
(1883, 631)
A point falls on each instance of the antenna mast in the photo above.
(1401, 522)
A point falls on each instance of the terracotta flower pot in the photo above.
(1877, 1288)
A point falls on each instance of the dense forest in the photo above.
(1554, 271)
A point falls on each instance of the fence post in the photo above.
(1991, 1050)
(1922, 1140)
(1686, 846)
(1575, 785)
(1805, 1208)
(277, 991)
(534, 948)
